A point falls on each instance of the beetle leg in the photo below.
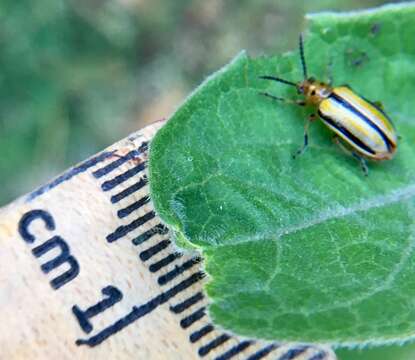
(287, 101)
(301, 150)
(361, 160)
(363, 163)
(338, 142)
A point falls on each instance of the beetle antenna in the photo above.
(301, 46)
(274, 78)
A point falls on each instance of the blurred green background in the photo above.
(79, 75)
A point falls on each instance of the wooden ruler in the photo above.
(88, 271)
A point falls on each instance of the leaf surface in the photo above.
(307, 249)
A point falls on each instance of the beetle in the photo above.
(361, 127)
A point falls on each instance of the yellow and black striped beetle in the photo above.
(361, 127)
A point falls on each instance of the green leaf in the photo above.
(307, 249)
(391, 352)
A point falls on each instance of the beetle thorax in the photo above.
(315, 92)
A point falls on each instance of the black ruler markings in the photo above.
(129, 190)
(198, 334)
(139, 311)
(293, 353)
(192, 318)
(168, 259)
(123, 230)
(120, 161)
(265, 351)
(86, 165)
(156, 229)
(122, 213)
(148, 253)
(153, 250)
(184, 305)
(319, 356)
(238, 348)
(145, 255)
(216, 342)
(178, 270)
(112, 183)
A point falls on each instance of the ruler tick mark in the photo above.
(157, 229)
(263, 352)
(164, 262)
(70, 174)
(198, 334)
(164, 279)
(192, 318)
(131, 208)
(111, 184)
(117, 163)
(292, 353)
(129, 190)
(125, 229)
(235, 350)
(319, 356)
(206, 349)
(179, 308)
(149, 253)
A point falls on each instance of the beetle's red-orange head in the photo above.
(314, 91)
